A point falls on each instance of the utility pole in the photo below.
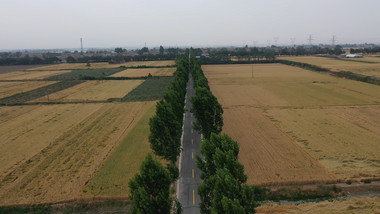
(275, 40)
(293, 40)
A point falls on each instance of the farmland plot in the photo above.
(369, 69)
(310, 124)
(10, 88)
(50, 152)
(344, 139)
(350, 206)
(98, 90)
(143, 72)
(30, 75)
(101, 65)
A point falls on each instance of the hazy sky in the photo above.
(27, 24)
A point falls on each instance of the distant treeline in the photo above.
(371, 50)
(120, 58)
(344, 74)
(26, 60)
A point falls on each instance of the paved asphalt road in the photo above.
(189, 173)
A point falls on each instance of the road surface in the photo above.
(189, 173)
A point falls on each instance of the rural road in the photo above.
(189, 173)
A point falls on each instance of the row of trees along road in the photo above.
(150, 190)
(223, 189)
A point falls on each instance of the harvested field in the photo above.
(270, 157)
(280, 85)
(111, 180)
(100, 65)
(369, 69)
(143, 72)
(38, 92)
(50, 152)
(299, 126)
(30, 75)
(12, 68)
(353, 206)
(343, 139)
(10, 88)
(98, 90)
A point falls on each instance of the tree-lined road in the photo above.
(189, 173)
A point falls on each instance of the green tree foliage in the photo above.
(119, 50)
(223, 189)
(208, 112)
(165, 132)
(143, 50)
(162, 50)
(150, 189)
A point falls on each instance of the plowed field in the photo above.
(50, 152)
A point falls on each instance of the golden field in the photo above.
(111, 180)
(98, 65)
(96, 90)
(11, 88)
(297, 126)
(50, 152)
(30, 75)
(143, 72)
(353, 65)
(350, 206)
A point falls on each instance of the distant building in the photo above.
(354, 56)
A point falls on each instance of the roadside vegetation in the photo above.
(150, 188)
(223, 189)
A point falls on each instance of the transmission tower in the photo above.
(310, 39)
(333, 41)
(81, 45)
(275, 40)
(293, 40)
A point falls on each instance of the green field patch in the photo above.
(123, 163)
(86, 74)
(23, 97)
(151, 89)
